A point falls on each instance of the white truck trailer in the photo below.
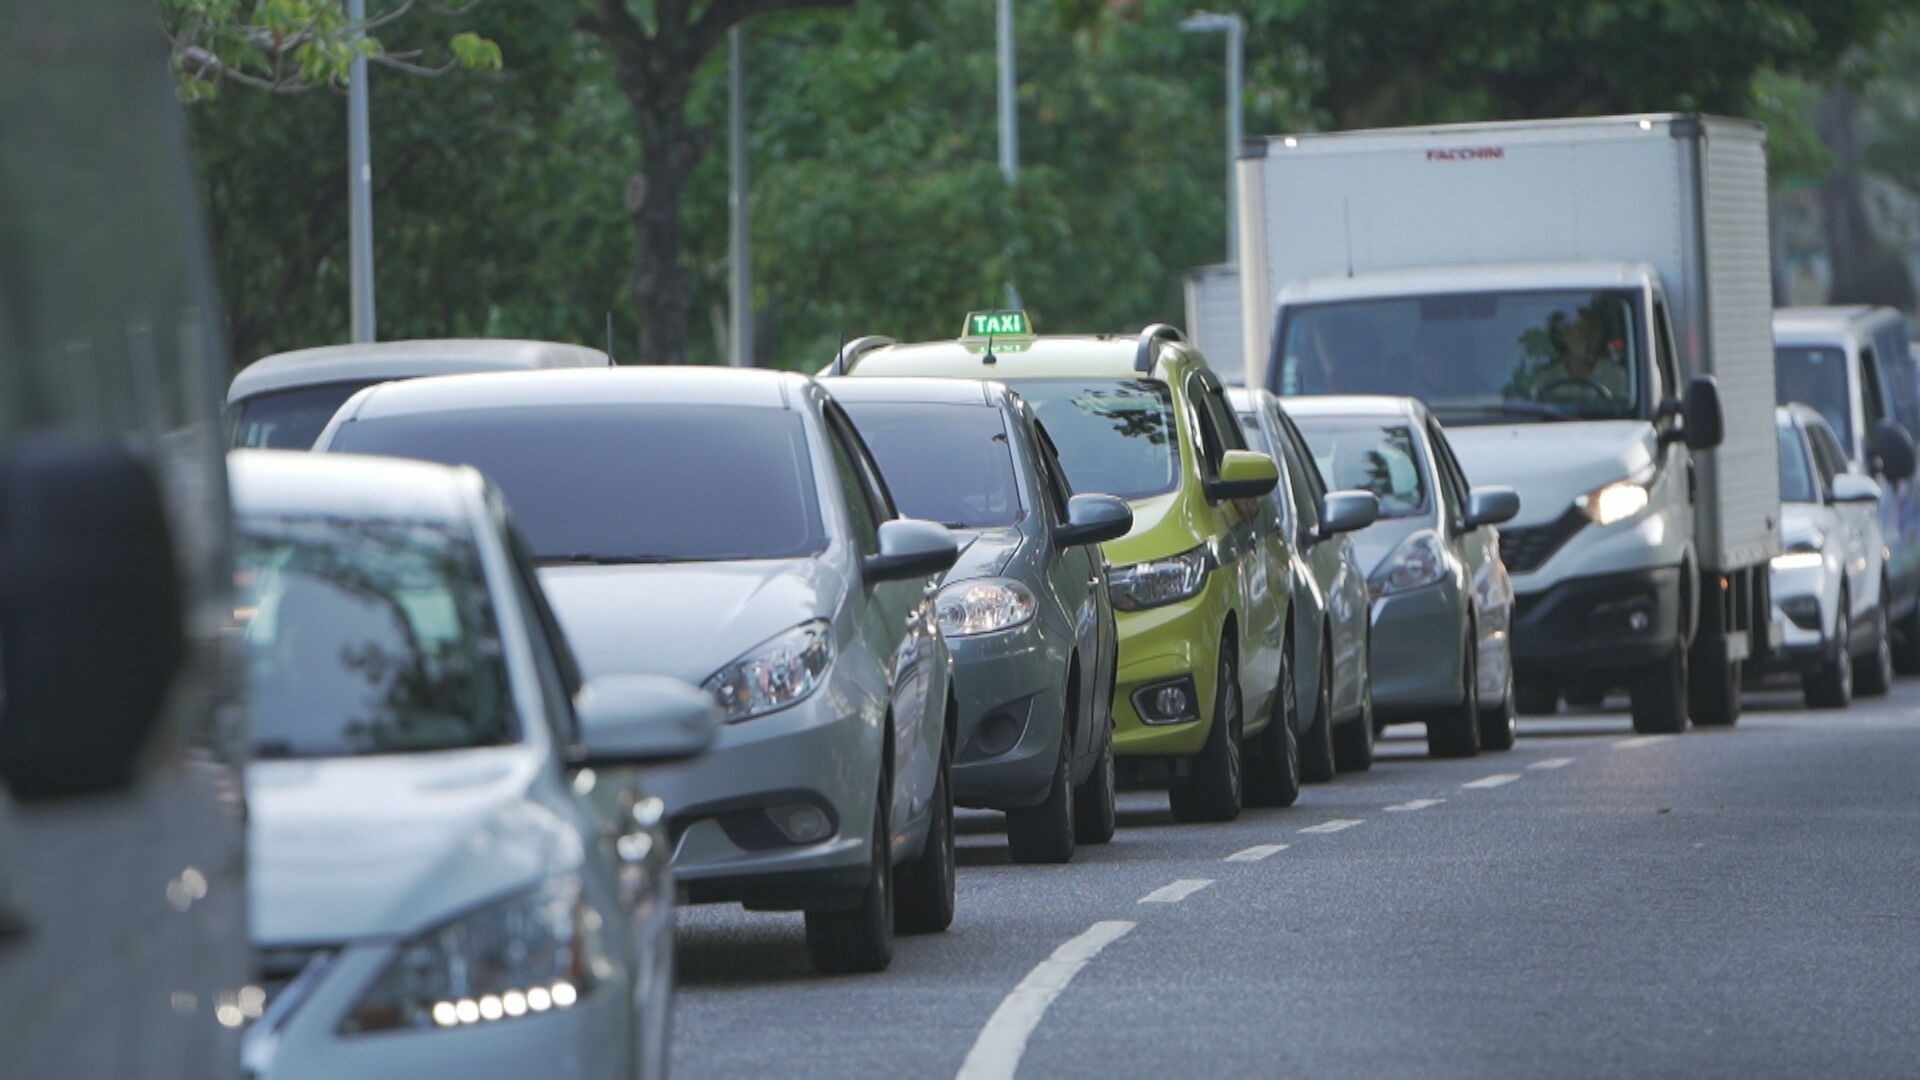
(1585, 305)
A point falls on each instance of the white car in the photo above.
(1829, 586)
(453, 872)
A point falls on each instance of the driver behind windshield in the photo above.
(1584, 365)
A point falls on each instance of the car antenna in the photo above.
(610, 357)
(1346, 214)
(989, 358)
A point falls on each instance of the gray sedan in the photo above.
(1442, 604)
(1024, 612)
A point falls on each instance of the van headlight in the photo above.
(1161, 582)
(1418, 561)
(983, 606)
(1615, 502)
(531, 953)
(780, 671)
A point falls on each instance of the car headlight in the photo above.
(1615, 502)
(781, 671)
(1161, 582)
(1420, 559)
(530, 953)
(982, 606)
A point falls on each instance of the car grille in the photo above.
(1523, 550)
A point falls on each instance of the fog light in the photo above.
(1167, 703)
(1638, 621)
(801, 823)
(1171, 701)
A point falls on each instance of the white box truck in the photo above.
(1213, 318)
(1585, 305)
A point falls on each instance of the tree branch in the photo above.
(723, 15)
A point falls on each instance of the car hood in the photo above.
(1163, 526)
(1374, 543)
(345, 849)
(984, 553)
(684, 620)
(1551, 464)
(1800, 522)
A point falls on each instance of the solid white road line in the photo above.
(1256, 853)
(1492, 781)
(996, 1053)
(1332, 826)
(1552, 763)
(1643, 740)
(1176, 892)
(1417, 804)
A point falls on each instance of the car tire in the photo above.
(1454, 732)
(1094, 815)
(1353, 744)
(1536, 697)
(1316, 750)
(1658, 695)
(1906, 644)
(1497, 725)
(1273, 776)
(1045, 833)
(925, 885)
(1713, 692)
(1212, 790)
(1873, 673)
(1831, 685)
(859, 938)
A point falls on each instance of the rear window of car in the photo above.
(288, 419)
(949, 463)
(1365, 455)
(1114, 436)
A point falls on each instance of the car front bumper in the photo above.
(1605, 623)
(1162, 646)
(1416, 650)
(1011, 690)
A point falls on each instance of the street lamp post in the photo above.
(1009, 114)
(1207, 22)
(739, 247)
(359, 187)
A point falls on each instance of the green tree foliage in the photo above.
(292, 46)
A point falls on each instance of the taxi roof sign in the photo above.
(1003, 323)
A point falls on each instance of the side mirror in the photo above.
(1854, 488)
(1094, 519)
(1347, 511)
(910, 549)
(1244, 475)
(643, 720)
(1893, 445)
(92, 620)
(1705, 424)
(1491, 506)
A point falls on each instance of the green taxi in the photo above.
(1203, 699)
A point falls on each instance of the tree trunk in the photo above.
(662, 288)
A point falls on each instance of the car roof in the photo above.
(1371, 406)
(1817, 322)
(1055, 356)
(917, 391)
(750, 387)
(287, 483)
(405, 360)
(1793, 412)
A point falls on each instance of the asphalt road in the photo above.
(1740, 902)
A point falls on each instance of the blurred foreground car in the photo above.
(283, 402)
(452, 871)
(1829, 598)
(1025, 611)
(728, 528)
(1442, 603)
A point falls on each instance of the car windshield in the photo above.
(1365, 455)
(943, 462)
(1796, 475)
(1815, 377)
(367, 637)
(1114, 436)
(627, 483)
(1473, 358)
(288, 419)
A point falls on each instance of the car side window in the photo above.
(1053, 478)
(1452, 477)
(1873, 403)
(866, 517)
(560, 677)
(1828, 459)
(1665, 362)
(1302, 472)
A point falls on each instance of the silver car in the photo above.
(728, 528)
(1330, 602)
(1442, 604)
(1025, 611)
(454, 867)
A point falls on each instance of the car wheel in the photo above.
(1045, 833)
(1316, 750)
(1658, 695)
(1496, 720)
(1873, 673)
(1273, 776)
(1714, 692)
(1906, 645)
(1353, 744)
(1454, 732)
(1212, 790)
(1831, 685)
(859, 938)
(925, 885)
(1093, 814)
(1536, 697)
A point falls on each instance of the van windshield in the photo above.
(1817, 378)
(367, 637)
(1114, 436)
(288, 419)
(1474, 358)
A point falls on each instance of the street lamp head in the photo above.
(1208, 22)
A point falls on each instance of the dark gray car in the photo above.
(1024, 611)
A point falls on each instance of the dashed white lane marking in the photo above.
(996, 1053)
(1492, 781)
(1552, 763)
(1176, 892)
(1417, 804)
(1256, 853)
(1643, 740)
(1332, 826)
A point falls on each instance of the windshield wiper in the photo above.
(1531, 409)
